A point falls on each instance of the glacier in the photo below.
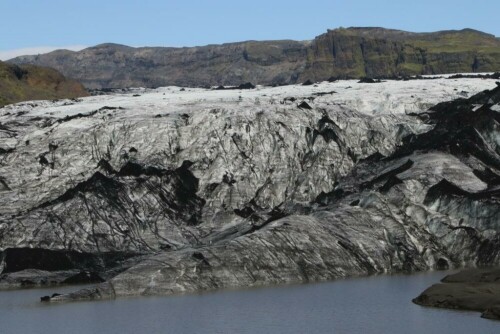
(170, 190)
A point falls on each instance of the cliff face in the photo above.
(28, 82)
(353, 52)
(117, 66)
(376, 52)
(230, 188)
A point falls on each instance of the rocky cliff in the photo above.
(376, 52)
(118, 66)
(28, 82)
(172, 190)
(346, 53)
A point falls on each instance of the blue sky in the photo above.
(40, 25)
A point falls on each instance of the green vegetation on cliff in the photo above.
(378, 52)
(29, 82)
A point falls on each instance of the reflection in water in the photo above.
(368, 305)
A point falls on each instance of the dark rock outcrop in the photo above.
(17, 259)
(29, 267)
(84, 277)
(369, 80)
(472, 290)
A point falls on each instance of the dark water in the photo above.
(368, 305)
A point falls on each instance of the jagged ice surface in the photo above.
(227, 188)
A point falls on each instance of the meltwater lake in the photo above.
(379, 304)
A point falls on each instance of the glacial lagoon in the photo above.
(379, 304)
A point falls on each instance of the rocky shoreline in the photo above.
(470, 290)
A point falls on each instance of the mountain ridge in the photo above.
(343, 52)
